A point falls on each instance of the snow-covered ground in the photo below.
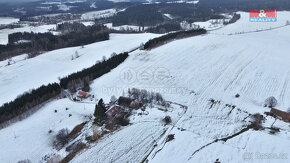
(30, 139)
(98, 14)
(29, 73)
(13, 60)
(8, 20)
(88, 23)
(38, 29)
(189, 71)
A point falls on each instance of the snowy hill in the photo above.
(201, 73)
(28, 74)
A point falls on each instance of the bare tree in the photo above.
(271, 102)
(113, 99)
(77, 54)
(61, 139)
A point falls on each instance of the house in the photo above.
(124, 101)
(280, 114)
(82, 94)
(112, 109)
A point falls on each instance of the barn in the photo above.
(281, 114)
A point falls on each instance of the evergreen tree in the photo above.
(99, 113)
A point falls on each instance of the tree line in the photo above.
(75, 80)
(171, 36)
(39, 42)
(165, 28)
(37, 96)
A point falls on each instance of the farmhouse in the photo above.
(280, 114)
(112, 109)
(82, 94)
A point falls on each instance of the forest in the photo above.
(153, 14)
(141, 15)
(40, 42)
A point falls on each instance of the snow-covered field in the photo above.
(243, 25)
(38, 29)
(98, 14)
(29, 73)
(8, 20)
(189, 71)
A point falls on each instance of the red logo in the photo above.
(263, 15)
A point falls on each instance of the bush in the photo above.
(271, 102)
(74, 149)
(257, 121)
(54, 159)
(170, 137)
(237, 95)
(24, 161)
(167, 120)
(76, 130)
(61, 139)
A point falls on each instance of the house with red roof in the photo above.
(82, 94)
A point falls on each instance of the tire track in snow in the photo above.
(284, 87)
(239, 73)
